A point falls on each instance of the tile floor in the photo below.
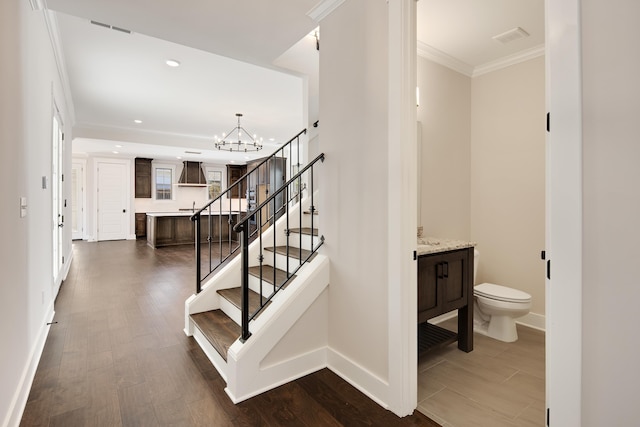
(497, 384)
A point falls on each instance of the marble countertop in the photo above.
(189, 213)
(433, 245)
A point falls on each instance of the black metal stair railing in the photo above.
(293, 190)
(217, 236)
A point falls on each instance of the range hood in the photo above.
(192, 175)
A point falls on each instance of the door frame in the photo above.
(82, 164)
(127, 190)
(57, 196)
(563, 289)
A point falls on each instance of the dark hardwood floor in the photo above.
(118, 356)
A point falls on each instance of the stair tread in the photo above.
(304, 230)
(219, 329)
(293, 252)
(267, 274)
(234, 296)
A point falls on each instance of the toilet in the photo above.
(497, 307)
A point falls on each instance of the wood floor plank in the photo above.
(118, 355)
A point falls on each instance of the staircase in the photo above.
(261, 318)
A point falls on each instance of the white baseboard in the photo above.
(19, 401)
(131, 237)
(367, 382)
(533, 320)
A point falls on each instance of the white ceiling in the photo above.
(237, 56)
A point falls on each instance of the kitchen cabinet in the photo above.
(167, 229)
(265, 181)
(142, 178)
(234, 173)
(141, 224)
(445, 283)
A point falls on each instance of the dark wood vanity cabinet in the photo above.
(142, 178)
(445, 283)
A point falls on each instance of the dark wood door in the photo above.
(454, 281)
(428, 290)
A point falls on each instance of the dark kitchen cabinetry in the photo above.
(142, 178)
(445, 283)
(141, 225)
(234, 173)
(266, 180)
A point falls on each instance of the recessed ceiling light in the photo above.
(138, 121)
(172, 63)
(178, 157)
(272, 139)
(118, 146)
(115, 152)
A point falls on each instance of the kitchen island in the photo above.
(445, 283)
(176, 228)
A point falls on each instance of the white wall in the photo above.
(29, 84)
(445, 160)
(611, 209)
(353, 201)
(507, 177)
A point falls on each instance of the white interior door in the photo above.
(77, 200)
(112, 191)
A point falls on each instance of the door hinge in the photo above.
(548, 417)
(63, 260)
(549, 269)
(543, 255)
(415, 255)
(548, 121)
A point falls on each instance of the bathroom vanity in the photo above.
(445, 283)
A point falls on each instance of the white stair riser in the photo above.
(230, 310)
(254, 285)
(307, 241)
(281, 260)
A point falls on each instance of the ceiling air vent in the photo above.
(511, 35)
(101, 24)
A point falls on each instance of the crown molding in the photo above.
(36, 4)
(507, 61)
(435, 55)
(56, 46)
(323, 9)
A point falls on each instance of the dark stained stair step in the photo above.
(304, 230)
(234, 296)
(267, 274)
(293, 252)
(219, 329)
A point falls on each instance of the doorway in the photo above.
(112, 196)
(77, 200)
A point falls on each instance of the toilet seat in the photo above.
(501, 293)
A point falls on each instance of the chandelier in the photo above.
(228, 141)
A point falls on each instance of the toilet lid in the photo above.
(502, 293)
